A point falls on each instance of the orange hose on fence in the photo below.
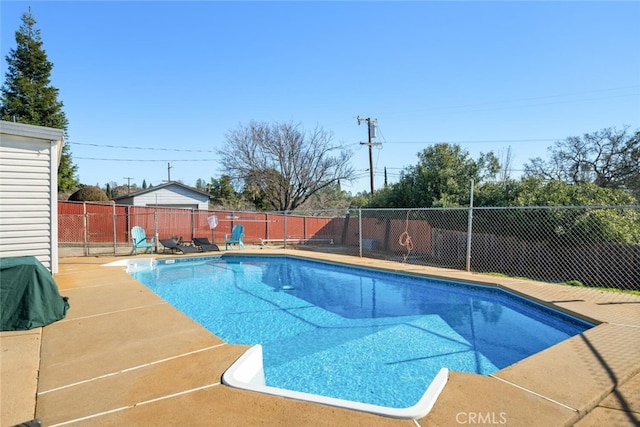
(405, 239)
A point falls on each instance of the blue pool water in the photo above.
(357, 334)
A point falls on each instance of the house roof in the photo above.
(161, 186)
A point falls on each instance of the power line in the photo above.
(530, 105)
(479, 141)
(473, 107)
(145, 160)
(186, 150)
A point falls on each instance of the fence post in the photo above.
(155, 229)
(469, 229)
(85, 231)
(193, 223)
(345, 227)
(285, 229)
(360, 231)
(304, 229)
(213, 230)
(115, 225)
(128, 223)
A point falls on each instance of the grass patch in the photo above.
(491, 273)
(614, 290)
(575, 283)
(579, 284)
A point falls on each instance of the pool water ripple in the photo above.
(357, 334)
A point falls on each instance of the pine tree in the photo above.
(28, 97)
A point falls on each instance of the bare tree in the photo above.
(608, 158)
(285, 163)
(329, 198)
(506, 160)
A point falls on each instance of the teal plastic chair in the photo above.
(237, 233)
(139, 239)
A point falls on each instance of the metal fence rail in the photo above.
(594, 246)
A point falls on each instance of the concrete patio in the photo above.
(123, 356)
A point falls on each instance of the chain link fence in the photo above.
(596, 246)
(592, 246)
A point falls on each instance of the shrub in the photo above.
(89, 194)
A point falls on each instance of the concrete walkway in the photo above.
(123, 356)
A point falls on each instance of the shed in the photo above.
(168, 195)
(29, 158)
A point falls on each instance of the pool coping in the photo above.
(556, 387)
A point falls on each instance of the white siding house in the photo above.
(29, 157)
(168, 195)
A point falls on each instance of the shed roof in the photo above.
(46, 134)
(161, 186)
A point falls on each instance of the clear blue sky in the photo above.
(167, 76)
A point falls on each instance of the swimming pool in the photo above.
(381, 342)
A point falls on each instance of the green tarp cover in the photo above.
(28, 294)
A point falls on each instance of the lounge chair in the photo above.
(175, 246)
(205, 245)
(236, 237)
(139, 239)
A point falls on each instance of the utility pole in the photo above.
(128, 178)
(371, 125)
(169, 172)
